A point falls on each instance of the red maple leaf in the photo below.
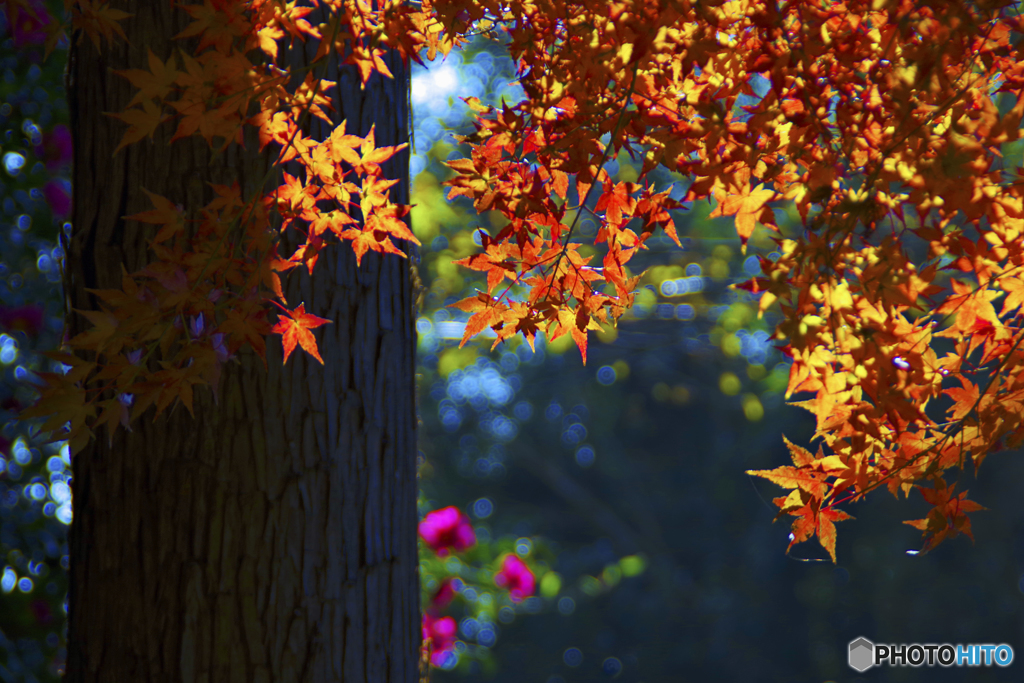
(296, 329)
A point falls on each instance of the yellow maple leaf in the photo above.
(746, 206)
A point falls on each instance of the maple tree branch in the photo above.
(600, 166)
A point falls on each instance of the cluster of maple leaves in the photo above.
(876, 108)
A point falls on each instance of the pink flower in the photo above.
(25, 28)
(57, 197)
(517, 577)
(28, 318)
(447, 528)
(439, 636)
(443, 596)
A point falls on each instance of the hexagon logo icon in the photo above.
(862, 654)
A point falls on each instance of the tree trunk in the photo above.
(273, 537)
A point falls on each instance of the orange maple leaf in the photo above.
(368, 61)
(965, 399)
(747, 205)
(805, 478)
(948, 517)
(1013, 286)
(811, 520)
(497, 261)
(157, 83)
(372, 156)
(142, 123)
(97, 18)
(487, 312)
(166, 214)
(827, 529)
(218, 22)
(972, 305)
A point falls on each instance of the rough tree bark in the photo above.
(273, 537)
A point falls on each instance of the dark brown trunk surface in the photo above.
(273, 537)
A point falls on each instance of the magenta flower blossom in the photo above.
(25, 28)
(55, 151)
(517, 577)
(439, 636)
(28, 318)
(443, 596)
(447, 529)
(57, 197)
